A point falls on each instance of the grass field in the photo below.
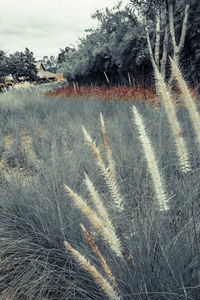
(98, 206)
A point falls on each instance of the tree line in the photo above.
(128, 40)
(125, 46)
(22, 64)
(18, 64)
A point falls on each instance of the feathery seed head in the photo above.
(111, 163)
(107, 173)
(101, 258)
(105, 285)
(99, 203)
(101, 119)
(151, 162)
(107, 232)
(187, 98)
(87, 136)
(167, 100)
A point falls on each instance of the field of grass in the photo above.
(98, 199)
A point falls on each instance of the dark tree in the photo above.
(22, 64)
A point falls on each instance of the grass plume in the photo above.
(151, 162)
(108, 235)
(114, 191)
(187, 97)
(106, 76)
(101, 258)
(85, 263)
(111, 163)
(95, 197)
(167, 100)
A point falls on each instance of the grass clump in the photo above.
(128, 226)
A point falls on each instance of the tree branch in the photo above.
(149, 43)
(157, 45)
(148, 7)
(165, 49)
(184, 27)
(171, 25)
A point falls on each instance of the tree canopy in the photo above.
(18, 64)
(119, 47)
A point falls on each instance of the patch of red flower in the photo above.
(118, 93)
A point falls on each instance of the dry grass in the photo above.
(109, 174)
(110, 180)
(105, 285)
(118, 93)
(107, 233)
(26, 146)
(151, 162)
(188, 98)
(18, 170)
(167, 100)
(101, 258)
(102, 221)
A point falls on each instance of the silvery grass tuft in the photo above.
(151, 162)
(103, 219)
(111, 163)
(160, 260)
(107, 232)
(167, 100)
(187, 98)
(107, 172)
(102, 222)
(105, 285)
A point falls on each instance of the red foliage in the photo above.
(119, 93)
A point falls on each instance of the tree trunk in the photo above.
(149, 43)
(165, 44)
(177, 48)
(157, 46)
(169, 33)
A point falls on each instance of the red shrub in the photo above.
(119, 93)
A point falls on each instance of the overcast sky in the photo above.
(44, 26)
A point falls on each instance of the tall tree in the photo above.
(117, 46)
(3, 65)
(164, 12)
(22, 64)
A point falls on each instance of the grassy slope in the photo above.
(36, 218)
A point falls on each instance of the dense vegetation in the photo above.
(99, 198)
(118, 46)
(43, 151)
(18, 64)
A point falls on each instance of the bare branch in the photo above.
(148, 7)
(184, 27)
(165, 43)
(157, 46)
(149, 43)
(171, 25)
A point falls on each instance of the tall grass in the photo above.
(128, 226)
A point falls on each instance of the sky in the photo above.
(45, 26)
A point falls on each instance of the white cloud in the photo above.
(44, 26)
